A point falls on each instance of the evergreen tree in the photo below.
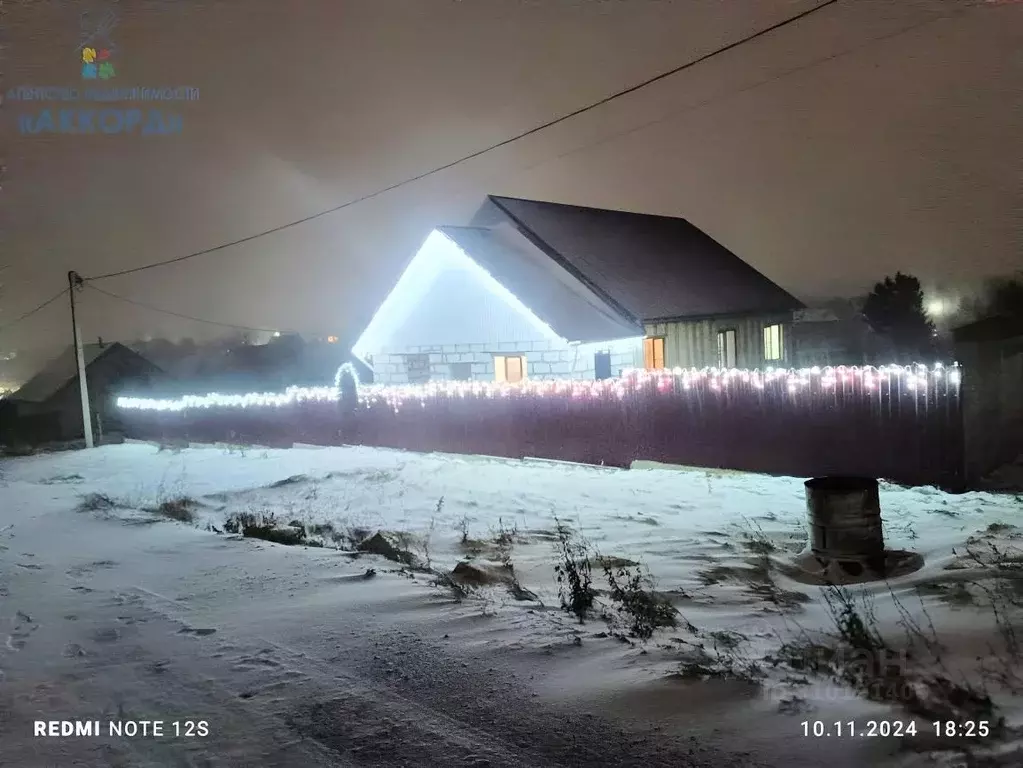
(895, 311)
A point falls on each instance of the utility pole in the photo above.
(75, 281)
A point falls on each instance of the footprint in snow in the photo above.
(81, 570)
(23, 626)
(199, 632)
(106, 635)
(73, 651)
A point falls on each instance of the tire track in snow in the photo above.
(363, 720)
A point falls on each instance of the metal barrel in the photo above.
(845, 518)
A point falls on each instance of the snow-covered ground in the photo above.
(720, 546)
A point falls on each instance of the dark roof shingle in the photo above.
(650, 267)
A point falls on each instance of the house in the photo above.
(49, 406)
(548, 290)
(830, 333)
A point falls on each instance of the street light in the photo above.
(936, 308)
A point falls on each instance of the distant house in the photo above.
(831, 333)
(547, 290)
(49, 406)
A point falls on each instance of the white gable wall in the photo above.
(459, 310)
(447, 317)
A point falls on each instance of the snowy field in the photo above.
(756, 651)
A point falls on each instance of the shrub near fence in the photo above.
(898, 423)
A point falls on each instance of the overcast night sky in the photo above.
(872, 136)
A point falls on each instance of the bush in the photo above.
(859, 656)
(644, 609)
(179, 509)
(97, 502)
(265, 527)
(574, 574)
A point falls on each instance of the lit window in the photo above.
(510, 368)
(653, 352)
(726, 349)
(773, 348)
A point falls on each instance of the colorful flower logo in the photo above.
(97, 44)
(97, 64)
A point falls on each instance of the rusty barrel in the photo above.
(845, 519)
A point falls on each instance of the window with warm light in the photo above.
(773, 347)
(509, 368)
(726, 348)
(653, 352)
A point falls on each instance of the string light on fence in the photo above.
(290, 396)
(916, 378)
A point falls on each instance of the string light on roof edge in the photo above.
(719, 380)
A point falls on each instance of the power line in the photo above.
(151, 308)
(706, 102)
(478, 153)
(31, 312)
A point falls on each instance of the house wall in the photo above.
(834, 333)
(548, 359)
(693, 343)
(458, 309)
(827, 343)
(460, 320)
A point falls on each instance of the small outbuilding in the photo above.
(48, 408)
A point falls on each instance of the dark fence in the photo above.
(897, 424)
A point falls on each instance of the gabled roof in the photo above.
(551, 293)
(643, 266)
(456, 262)
(62, 370)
